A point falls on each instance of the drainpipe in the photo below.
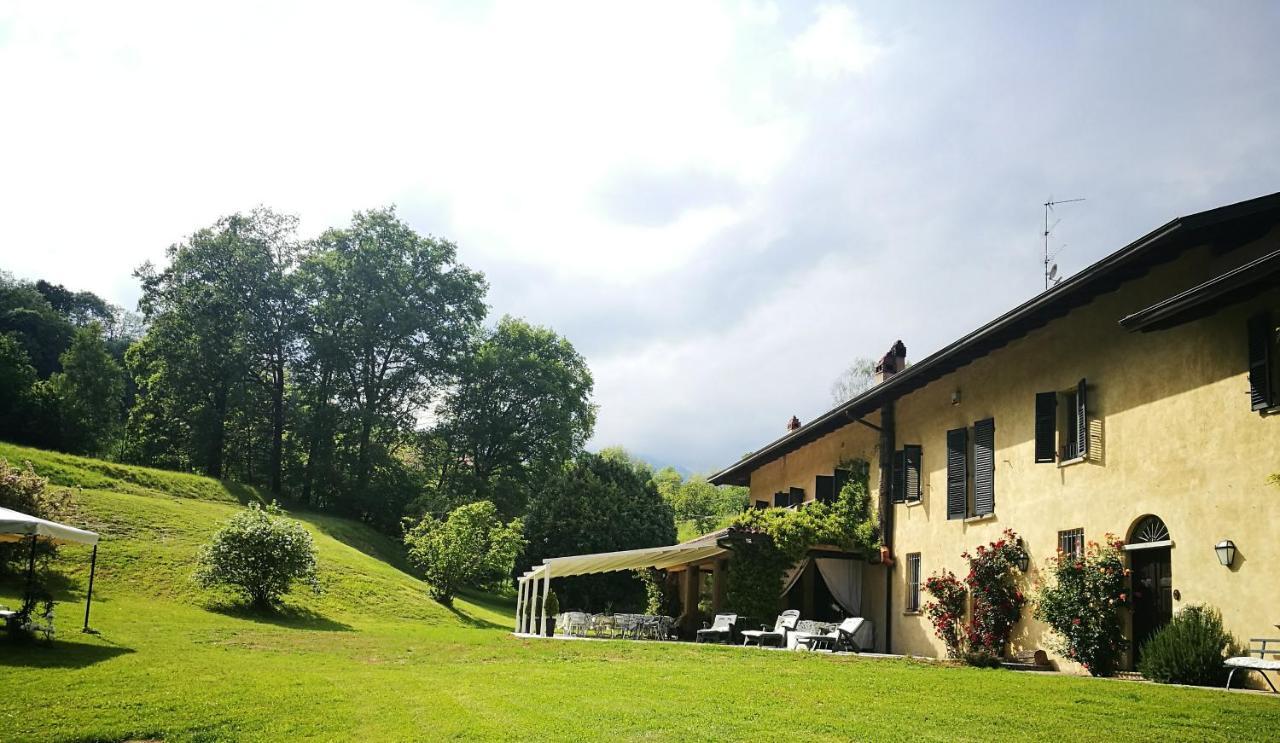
(886, 514)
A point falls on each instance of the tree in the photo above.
(598, 504)
(90, 393)
(854, 380)
(407, 313)
(223, 323)
(260, 553)
(472, 547)
(16, 377)
(521, 409)
(27, 315)
(197, 338)
(698, 501)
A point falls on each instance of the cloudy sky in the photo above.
(720, 205)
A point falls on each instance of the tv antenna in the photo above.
(1051, 277)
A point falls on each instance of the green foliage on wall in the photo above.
(770, 540)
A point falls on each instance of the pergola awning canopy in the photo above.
(695, 550)
(16, 526)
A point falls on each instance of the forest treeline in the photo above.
(351, 372)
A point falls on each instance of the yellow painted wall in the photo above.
(1171, 411)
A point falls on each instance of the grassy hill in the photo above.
(372, 658)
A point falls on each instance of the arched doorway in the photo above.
(1149, 560)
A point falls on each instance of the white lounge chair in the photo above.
(721, 630)
(853, 634)
(1260, 664)
(785, 623)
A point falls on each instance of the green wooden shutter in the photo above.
(984, 467)
(797, 496)
(1259, 361)
(957, 473)
(899, 475)
(1046, 425)
(913, 456)
(1082, 421)
(824, 489)
(780, 499)
(841, 477)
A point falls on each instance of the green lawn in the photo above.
(373, 659)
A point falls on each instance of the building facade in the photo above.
(1134, 399)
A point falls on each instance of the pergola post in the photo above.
(717, 586)
(88, 600)
(546, 591)
(692, 576)
(519, 600)
(31, 572)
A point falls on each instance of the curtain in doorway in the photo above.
(793, 574)
(844, 579)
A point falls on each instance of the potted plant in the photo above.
(552, 608)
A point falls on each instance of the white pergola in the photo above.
(16, 526)
(536, 582)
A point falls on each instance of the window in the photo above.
(797, 496)
(762, 504)
(1262, 367)
(971, 470)
(913, 582)
(781, 499)
(1071, 542)
(1062, 424)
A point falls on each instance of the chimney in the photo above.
(793, 424)
(891, 363)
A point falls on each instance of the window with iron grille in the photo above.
(1071, 542)
(913, 581)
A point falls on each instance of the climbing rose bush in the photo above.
(996, 601)
(1081, 603)
(946, 611)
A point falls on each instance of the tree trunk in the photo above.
(217, 433)
(277, 425)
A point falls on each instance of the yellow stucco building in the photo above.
(1132, 399)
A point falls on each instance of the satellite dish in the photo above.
(1053, 271)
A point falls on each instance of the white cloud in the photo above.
(835, 44)
(807, 192)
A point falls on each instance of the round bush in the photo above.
(261, 553)
(1189, 649)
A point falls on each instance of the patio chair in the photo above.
(853, 634)
(576, 623)
(785, 623)
(602, 624)
(720, 630)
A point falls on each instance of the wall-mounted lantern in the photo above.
(955, 397)
(1023, 560)
(1226, 550)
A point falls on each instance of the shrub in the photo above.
(1081, 604)
(261, 553)
(1189, 649)
(21, 489)
(946, 611)
(470, 548)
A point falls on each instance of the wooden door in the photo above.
(1152, 593)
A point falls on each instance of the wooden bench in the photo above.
(1260, 664)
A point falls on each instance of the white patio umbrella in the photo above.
(16, 526)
